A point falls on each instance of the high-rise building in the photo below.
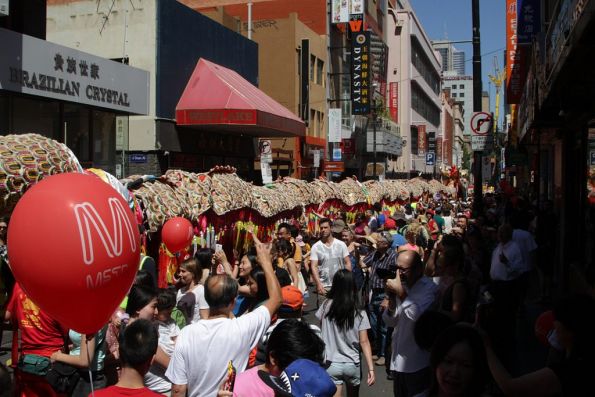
(458, 62)
(461, 90)
(444, 47)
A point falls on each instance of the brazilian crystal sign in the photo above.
(37, 67)
(360, 73)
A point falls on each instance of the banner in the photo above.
(528, 20)
(421, 139)
(394, 101)
(515, 55)
(360, 73)
(334, 125)
(356, 7)
(339, 11)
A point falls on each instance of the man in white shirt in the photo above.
(328, 255)
(505, 271)
(199, 362)
(410, 295)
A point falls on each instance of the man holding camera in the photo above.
(380, 262)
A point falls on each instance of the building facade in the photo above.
(415, 68)
(167, 39)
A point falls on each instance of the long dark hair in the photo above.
(345, 300)
(257, 274)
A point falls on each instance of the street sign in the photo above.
(337, 154)
(334, 166)
(481, 125)
(430, 158)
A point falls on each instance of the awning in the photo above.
(217, 98)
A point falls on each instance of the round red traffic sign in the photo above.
(481, 123)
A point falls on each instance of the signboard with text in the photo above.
(340, 11)
(360, 73)
(37, 67)
(481, 126)
(515, 55)
(421, 139)
(334, 125)
(334, 166)
(394, 101)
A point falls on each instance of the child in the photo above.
(168, 332)
(137, 349)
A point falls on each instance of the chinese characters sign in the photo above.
(360, 73)
(394, 101)
(515, 54)
(528, 17)
(421, 139)
(37, 67)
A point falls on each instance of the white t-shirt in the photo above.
(155, 379)
(513, 268)
(204, 349)
(526, 244)
(330, 259)
(199, 300)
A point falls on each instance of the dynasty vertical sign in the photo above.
(360, 73)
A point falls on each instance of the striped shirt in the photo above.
(375, 260)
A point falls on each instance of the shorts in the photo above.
(349, 373)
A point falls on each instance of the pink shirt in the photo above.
(249, 384)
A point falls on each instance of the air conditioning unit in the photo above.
(4, 8)
(399, 23)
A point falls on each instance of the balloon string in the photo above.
(89, 368)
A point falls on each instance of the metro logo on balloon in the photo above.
(86, 215)
(74, 247)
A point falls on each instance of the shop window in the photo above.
(312, 68)
(77, 132)
(34, 115)
(320, 72)
(104, 141)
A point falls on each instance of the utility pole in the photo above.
(477, 183)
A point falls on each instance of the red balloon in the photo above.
(543, 326)
(177, 234)
(74, 247)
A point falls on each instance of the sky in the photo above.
(451, 19)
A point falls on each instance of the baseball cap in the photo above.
(301, 378)
(293, 299)
(338, 226)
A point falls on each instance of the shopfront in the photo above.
(70, 96)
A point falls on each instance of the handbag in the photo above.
(63, 377)
(34, 364)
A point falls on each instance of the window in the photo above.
(461, 86)
(312, 68)
(462, 95)
(320, 72)
(312, 124)
(423, 105)
(454, 94)
(454, 86)
(423, 65)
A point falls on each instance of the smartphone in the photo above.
(218, 247)
(386, 274)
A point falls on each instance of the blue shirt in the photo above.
(398, 240)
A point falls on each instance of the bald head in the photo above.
(410, 266)
(220, 291)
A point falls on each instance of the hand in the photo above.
(250, 229)
(220, 257)
(55, 355)
(321, 291)
(263, 254)
(222, 392)
(371, 378)
(394, 285)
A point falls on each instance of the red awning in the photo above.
(217, 98)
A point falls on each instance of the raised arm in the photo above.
(263, 255)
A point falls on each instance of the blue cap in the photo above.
(301, 378)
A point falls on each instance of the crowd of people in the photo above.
(425, 294)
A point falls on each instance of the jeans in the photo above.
(376, 323)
